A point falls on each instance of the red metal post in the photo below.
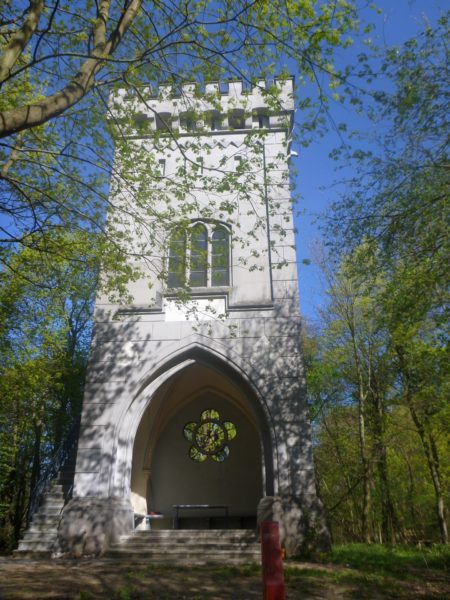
(272, 562)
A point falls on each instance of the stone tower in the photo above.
(201, 401)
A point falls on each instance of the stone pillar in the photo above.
(89, 525)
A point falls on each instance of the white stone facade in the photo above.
(153, 366)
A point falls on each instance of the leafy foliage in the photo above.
(45, 334)
(380, 369)
(379, 398)
(400, 194)
(58, 63)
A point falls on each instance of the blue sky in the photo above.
(400, 20)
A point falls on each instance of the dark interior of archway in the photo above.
(230, 471)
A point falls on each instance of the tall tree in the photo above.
(44, 339)
(379, 376)
(355, 345)
(398, 206)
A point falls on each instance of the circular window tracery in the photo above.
(210, 437)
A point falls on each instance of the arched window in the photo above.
(177, 260)
(201, 257)
(198, 275)
(220, 256)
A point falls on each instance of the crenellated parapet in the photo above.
(217, 107)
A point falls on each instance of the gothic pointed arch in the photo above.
(155, 384)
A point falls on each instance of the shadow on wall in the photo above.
(260, 353)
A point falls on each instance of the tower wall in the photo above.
(249, 330)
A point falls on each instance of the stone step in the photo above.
(227, 546)
(34, 546)
(183, 560)
(180, 544)
(196, 533)
(44, 536)
(202, 547)
(49, 507)
(55, 493)
(53, 501)
(51, 512)
(188, 544)
(191, 548)
(157, 538)
(41, 536)
(55, 486)
(175, 554)
(45, 518)
(41, 518)
(43, 526)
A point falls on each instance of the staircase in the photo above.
(41, 536)
(40, 539)
(189, 546)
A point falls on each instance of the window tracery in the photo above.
(210, 437)
(199, 256)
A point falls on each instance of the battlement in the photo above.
(216, 107)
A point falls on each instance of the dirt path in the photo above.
(112, 580)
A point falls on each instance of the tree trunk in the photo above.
(366, 471)
(410, 501)
(362, 396)
(348, 484)
(36, 466)
(429, 448)
(20, 494)
(389, 523)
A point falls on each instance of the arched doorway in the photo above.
(217, 460)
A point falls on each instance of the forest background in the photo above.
(377, 350)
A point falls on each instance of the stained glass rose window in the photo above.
(210, 437)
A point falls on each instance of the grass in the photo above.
(353, 570)
(389, 559)
(349, 572)
(379, 572)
